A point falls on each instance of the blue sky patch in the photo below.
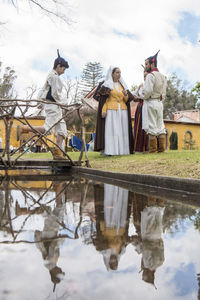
(129, 35)
(189, 27)
(185, 280)
(38, 65)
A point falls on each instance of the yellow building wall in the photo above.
(181, 129)
(13, 136)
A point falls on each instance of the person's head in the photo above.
(56, 274)
(148, 275)
(151, 62)
(113, 263)
(116, 74)
(60, 64)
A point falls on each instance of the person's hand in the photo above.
(103, 115)
(140, 86)
(125, 93)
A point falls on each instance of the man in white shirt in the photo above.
(51, 91)
(154, 92)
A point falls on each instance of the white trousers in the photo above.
(53, 115)
(115, 206)
(152, 117)
(116, 132)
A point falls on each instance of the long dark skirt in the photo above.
(140, 136)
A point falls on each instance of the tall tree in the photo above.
(91, 75)
(177, 97)
(72, 92)
(196, 92)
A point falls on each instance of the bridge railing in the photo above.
(8, 109)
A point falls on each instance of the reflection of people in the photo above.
(140, 136)
(47, 240)
(154, 93)
(0, 142)
(52, 91)
(148, 211)
(112, 216)
(114, 130)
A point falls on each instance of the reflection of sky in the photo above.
(23, 274)
(183, 276)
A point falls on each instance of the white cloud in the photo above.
(30, 40)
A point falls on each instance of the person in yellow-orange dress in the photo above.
(114, 130)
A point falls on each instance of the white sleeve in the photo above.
(141, 92)
(164, 89)
(148, 86)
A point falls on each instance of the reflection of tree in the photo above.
(82, 212)
(6, 219)
(198, 279)
(196, 219)
(174, 216)
(51, 208)
(112, 207)
(65, 207)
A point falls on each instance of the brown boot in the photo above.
(152, 143)
(57, 154)
(161, 142)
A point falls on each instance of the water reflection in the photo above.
(72, 233)
(112, 207)
(47, 240)
(148, 220)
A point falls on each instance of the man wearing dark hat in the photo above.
(154, 92)
(51, 91)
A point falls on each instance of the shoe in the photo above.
(161, 142)
(58, 154)
(152, 143)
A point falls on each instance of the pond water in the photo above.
(75, 238)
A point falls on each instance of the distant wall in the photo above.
(188, 134)
(39, 121)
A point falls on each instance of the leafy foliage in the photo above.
(177, 98)
(196, 92)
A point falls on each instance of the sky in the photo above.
(114, 32)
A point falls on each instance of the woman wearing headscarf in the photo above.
(114, 129)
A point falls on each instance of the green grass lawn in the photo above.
(183, 163)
